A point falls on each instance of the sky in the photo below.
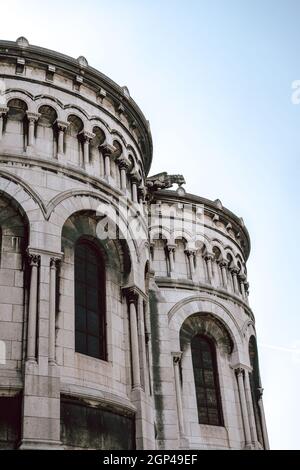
(214, 78)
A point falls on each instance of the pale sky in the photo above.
(214, 78)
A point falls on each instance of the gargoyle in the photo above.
(163, 181)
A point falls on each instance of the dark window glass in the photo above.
(206, 381)
(89, 300)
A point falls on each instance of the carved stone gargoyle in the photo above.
(163, 181)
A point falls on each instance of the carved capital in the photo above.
(176, 357)
(223, 263)
(32, 117)
(87, 136)
(34, 259)
(208, 256)
(123, 163)
(170, 247)
(3, 110)
(239, 371)
(107, 150)
(62, 125)
(54, 262)
(135, 177)
(190, 252)
(260, 392)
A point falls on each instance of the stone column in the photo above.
(263, 419)
(208, 259)
(3, 111)
(123, 165)
(171, 251)
(223, 266)
(132, 298)
(143, 353)
(242, 280)
(141, 194)
(32, 119)
(135, 180)
(234, 272)
(107, 151)
(62, 126)
(176, 363)
(52, 308)
(190, 255)
(250, 409)
(32, 309)
(239, 373)
(87, 137)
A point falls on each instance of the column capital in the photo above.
(208, 256)
(34, 259)
(171, 247)
(234, 269)
(54, 262)
(242, 277)
(239, 371)
(123, 163)
(62, 125)
(86, 135)
(135, 177)
(3, 110)
(132, 293)
(223, 263)
(176, 357)
(190, 252)
(32, 117)
(260, 392)
(107, 149)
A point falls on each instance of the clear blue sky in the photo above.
(214, 78)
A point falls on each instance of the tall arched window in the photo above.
(90, 324)
(206, 381)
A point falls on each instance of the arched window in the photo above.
(90, 324)
(206, 381)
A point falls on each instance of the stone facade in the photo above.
(75, 152)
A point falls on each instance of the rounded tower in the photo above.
(124, 315)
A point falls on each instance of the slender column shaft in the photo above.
(250, 408)
(3, 111)
(134, 192)
(107, 165)
(209, 268)
(31, 133)
(52, 309)
(176, 361)
(141, 325)
(171, 258)
(123, 178)
(32, 311)
(224, 274)
(243, 402)
(60, 148)
(235, 282)
(86, 147)
(136, 377)
(1, 126)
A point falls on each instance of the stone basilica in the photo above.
(124, 313)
